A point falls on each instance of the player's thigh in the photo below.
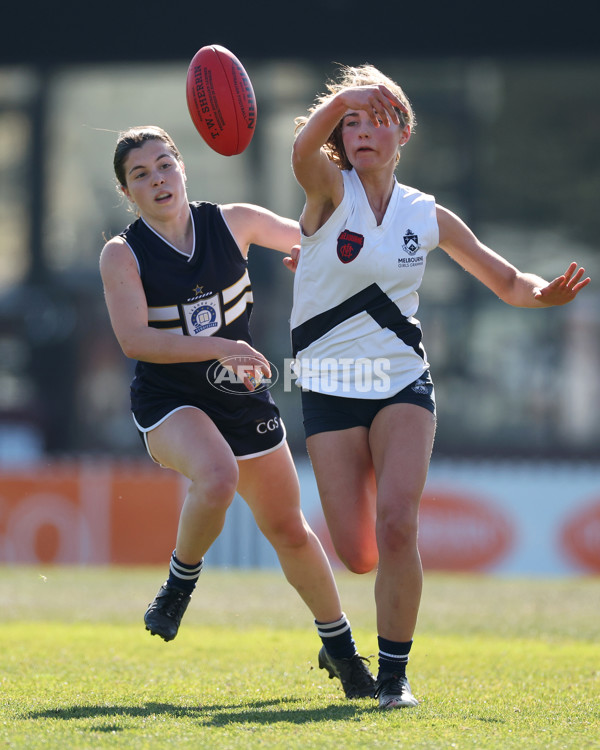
(401, 440)
(343, 468)
(269, 485)
(189, 442)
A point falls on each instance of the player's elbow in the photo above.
(296, 157)
(130, 346)
(299, 155)
(130, 351)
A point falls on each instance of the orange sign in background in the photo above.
(581, 537)
(488, 519)
(462, 533)
(89, 513)
(456, 533)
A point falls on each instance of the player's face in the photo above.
(155, 179)
(368, 145)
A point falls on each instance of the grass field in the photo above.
(496, 664)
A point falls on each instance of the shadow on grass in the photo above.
(215, 715)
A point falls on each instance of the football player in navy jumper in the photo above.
(179, 298)
(367, 399)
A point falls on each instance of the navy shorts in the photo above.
(324, 412)
(251, 425)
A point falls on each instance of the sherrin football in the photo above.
(221, 100)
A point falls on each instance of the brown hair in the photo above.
(135, 138)
(349, 77)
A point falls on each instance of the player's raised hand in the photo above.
(377, 101)
(563, 289)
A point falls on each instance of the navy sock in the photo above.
(337, 637)
(393, 655)
(183, 576)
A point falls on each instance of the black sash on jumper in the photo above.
(371, 300)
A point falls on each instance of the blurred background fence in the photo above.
(508, 112)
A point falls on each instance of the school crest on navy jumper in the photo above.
(203, 317)
(411, 242)
(349, 245)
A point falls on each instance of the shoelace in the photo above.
(393, 684)
(360, 672)
(176, 600)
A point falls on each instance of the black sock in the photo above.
(393, 655)
(183, 576)
(337, 637)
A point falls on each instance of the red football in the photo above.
(221, 100)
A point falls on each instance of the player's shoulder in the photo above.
(203, 207)
(413, 194)
(115, 252)
(114, 246)
(206, 214)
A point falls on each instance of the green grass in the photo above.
(496, 664)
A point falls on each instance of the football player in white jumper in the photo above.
(367, 395)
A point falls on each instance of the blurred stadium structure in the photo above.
(508, 109)
(511, 146)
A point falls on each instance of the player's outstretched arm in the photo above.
(514, 287)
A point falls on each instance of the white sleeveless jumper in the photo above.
(355, 295)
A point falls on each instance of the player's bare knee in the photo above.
(357, 560)
(397, 532)
(216, 487)
(288, 534)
